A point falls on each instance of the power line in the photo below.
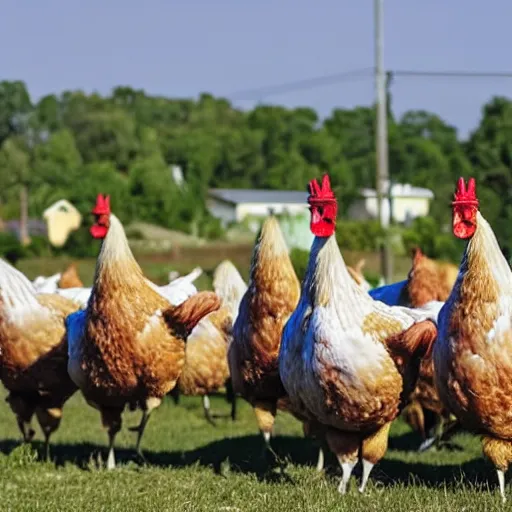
(259, 93)
(304, 84)
(451, 74)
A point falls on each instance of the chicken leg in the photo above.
(373, 448)
(499, 452)
(345, 446)
(49, 420)
(150, 404)
(265, 416)
(24, 410)
(231, 398)
(111, 420)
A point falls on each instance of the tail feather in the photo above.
(418, 340)
(183, 318)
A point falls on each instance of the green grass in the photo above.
(157, 266)
(193, 466)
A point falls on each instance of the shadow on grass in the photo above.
(246, 455)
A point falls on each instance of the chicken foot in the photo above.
(210, 416)
(444, 431)
(265, 416)
(150, 404)
(499, 452)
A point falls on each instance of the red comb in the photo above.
(102, 206)
(321, 193)
(465, 195)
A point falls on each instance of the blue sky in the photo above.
(183, 47)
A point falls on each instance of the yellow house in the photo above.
(407, 203)
(61, 219)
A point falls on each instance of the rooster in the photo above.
(33, 353)
(348, 362)
(428, 281)
(270, 299)
(70, 278)
(473, 352)
(128, 346)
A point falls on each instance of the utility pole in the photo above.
(382, 181)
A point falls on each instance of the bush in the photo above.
(359, 235)
(426, 233)
(300, 260)
(80, 244)
(10, 248)
(211, 228)
(39, 246)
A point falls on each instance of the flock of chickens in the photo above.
(343, 359)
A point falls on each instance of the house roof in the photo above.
(237, 196)
(401, 190)
(61, 205)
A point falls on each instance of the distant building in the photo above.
(237, 205)
(61, 219)
(36, 227)
(407, 203)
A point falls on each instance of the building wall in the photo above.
(404, 208)
(221, 210)
(263, 209)
(296, 231)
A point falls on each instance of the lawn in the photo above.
(192, 466)
(157, 266)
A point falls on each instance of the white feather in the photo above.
(46, 284)
(18, 295)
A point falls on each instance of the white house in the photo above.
(235, 205)
(407, 203)
(61, 219)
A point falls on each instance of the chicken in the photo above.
(270, 299)
(67, 279)
(357, 275)
(206, 368)
(348, 362)
(33, 353)
(128, 346)
(473, 352)
(70, 278)
(428, 280)
(175, 292)
(229, 286)
(46, 284)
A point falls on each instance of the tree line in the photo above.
(75, 145)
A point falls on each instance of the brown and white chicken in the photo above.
(270, 299)
(33, 353)
(128, 346)
(473, 352)
(206, 367)
(347, 362)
